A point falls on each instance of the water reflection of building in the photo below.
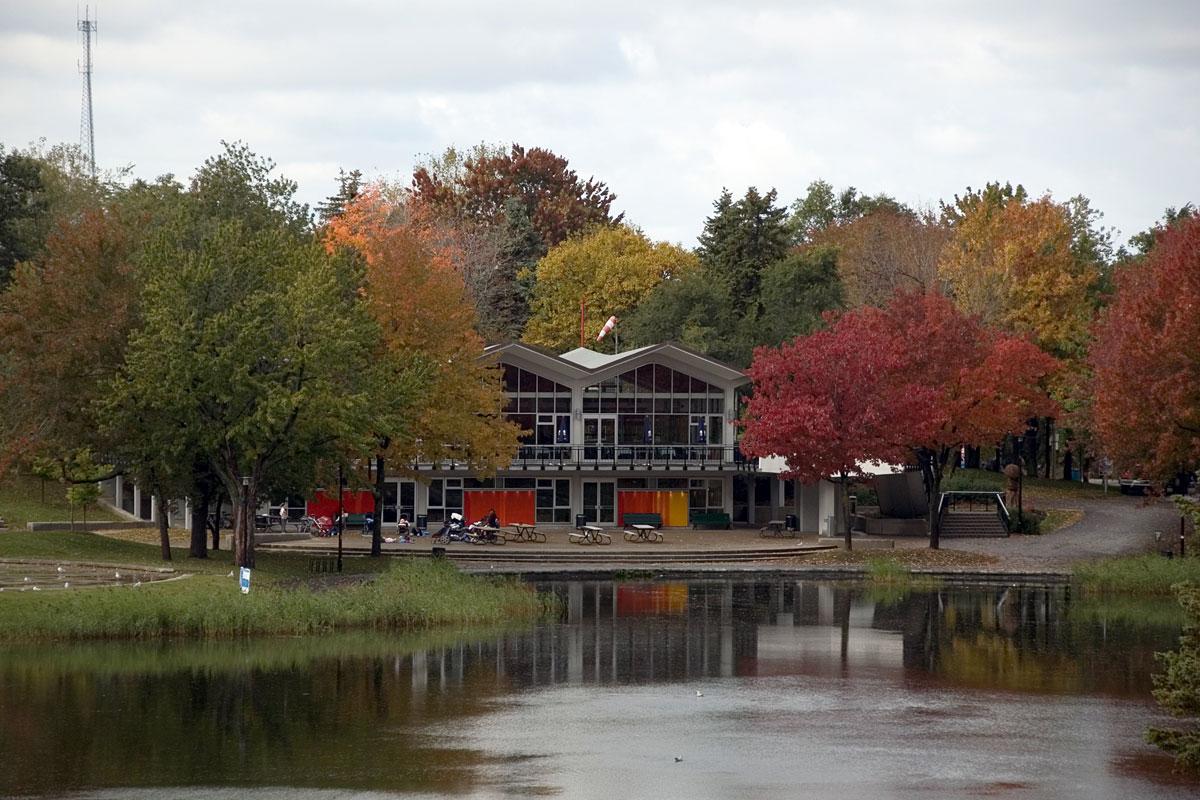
(648, 632)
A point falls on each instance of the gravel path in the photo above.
(1110, 527)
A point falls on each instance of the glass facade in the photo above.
(658, 412)
(542, 409)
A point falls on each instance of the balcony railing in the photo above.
(621, 458)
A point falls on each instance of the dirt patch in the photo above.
(909, 557)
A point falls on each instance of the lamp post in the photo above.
(340, 521)
(247, 524)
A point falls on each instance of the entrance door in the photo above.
(600, 502)
(599, 437)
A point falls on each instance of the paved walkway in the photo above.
(1110, 527)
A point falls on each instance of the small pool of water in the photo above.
(670, 690)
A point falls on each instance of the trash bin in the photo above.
(439, 552)
(422, 521)
(790, 522)
(580, 521)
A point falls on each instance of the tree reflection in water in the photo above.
(374, 711)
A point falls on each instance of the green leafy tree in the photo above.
(796, 292)
(822, 208)
(612, 268)
(692, 310)
(1145, 241)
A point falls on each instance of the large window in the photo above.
(445, 498)
(399, 497)
(706, 494)
(542, 409)
(553, 500)
(661, 412)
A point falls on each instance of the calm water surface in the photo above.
(711, 689)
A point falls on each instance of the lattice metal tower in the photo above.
(87, 135)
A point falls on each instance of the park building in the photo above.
(648, 430)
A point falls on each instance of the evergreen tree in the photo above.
(349, 187)
(740, 241)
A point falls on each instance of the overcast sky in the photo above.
(665, 101)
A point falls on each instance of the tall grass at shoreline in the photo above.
(387, 594)
(1149, 574)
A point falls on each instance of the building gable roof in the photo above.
(582, 362)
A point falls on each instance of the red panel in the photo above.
(511, 505)
(635, 502)
(326, 505)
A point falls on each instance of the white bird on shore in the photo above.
(699, 693)
(117, 575)
(66, 584)
(37, 589)
(27, 579)
(60, 569)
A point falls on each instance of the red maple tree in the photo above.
(908, 383)
(1145, 360)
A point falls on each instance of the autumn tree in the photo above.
(64, 322)
(1146, 359)
(40, 187)
(427, 342)
(1144, 241)
(822, 208)
(828, 403)
(612, 269)
(985, 383)
(911, 382)
(885, 251)
(1013, 266)
(529, 198)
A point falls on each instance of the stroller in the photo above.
(454, 530)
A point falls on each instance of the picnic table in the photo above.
(526, 532)
(776, 528)
(643, 533)
(486, 534)
(590, 534)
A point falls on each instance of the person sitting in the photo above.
(491, 520)
(403, 528)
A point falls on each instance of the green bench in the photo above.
(642, 518)
(359, 521)
(712, 519)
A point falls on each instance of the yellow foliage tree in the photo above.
(1010, 263)
(427, 320)
(611, 268)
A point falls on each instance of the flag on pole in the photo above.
(608, 326)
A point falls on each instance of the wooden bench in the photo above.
(642, 518)
(713, 519)
(359, 521)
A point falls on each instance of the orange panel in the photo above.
(511, 505)
(326, 505)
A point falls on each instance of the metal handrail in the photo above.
(998, 497)
(618, 456)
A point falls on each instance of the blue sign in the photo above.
(245, 580)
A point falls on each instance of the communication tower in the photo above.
(87, 135)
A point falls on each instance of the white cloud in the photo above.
(666, 102)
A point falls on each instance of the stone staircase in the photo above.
(972, 524)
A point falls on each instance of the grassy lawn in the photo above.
(285, 599)
(981, 480)
(21, 502)
(1059, 518)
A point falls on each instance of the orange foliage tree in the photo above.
(428, 337)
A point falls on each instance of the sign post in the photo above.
(244, 580)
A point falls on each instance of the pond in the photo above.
(765, 688)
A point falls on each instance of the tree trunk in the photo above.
(164, 532)
(844, 490)
(214, 524)
(377, 524)
(1049, 454)
(243, 525)
(197, 547)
